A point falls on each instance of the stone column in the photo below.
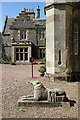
(50, 49)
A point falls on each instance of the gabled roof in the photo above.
(22, 22)
(7, 23)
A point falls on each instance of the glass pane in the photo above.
(43, 35)
(40, 55)
(17, 56)
(21, 36)
(17, 49)
(25, 36)
(21, 49)
(43, 55)
(44, 50)
(26, 56)
(40, 35)
(40, 50)
(26, 49)
(21, 32)
(21, 56)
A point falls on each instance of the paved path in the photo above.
(15, 83)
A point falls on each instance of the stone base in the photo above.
(63, 77)
(45, 103)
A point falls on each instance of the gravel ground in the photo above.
(15, 83)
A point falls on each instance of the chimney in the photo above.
(24, 9)
(38, 12)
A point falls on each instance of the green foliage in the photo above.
(44, 42)
(12, 63)
(43, 67)
(44, 59)
(41, 70)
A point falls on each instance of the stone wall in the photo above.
(60, 38)
(56, 39)
(69, 39)
(32, 35)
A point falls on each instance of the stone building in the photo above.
(63, 38)
(23, 36)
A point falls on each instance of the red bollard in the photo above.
(32, 69)
(32, 60)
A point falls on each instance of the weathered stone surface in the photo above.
(42, 95)
(40, 92)
(60, 36)
(28, 103)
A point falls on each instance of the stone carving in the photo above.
(46, 96)
(42, 93)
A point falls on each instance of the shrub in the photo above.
(12, 63)
(41, 70)
(43, 67)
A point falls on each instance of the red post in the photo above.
(32, 60)
(32, 69)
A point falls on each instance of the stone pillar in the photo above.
(50, 47)
(55, 38)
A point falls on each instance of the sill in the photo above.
(42, 39)
(23, 40)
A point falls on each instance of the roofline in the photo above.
(5, 22)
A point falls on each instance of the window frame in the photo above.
(76, 32)
(41, 33)
(22, 52)
(23, 35)
(42, 51)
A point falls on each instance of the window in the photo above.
(42, 35)
(23, 34)
(42, 53)
(17, 54)
(26, 54)
(21, 54)
(59, 62)
(76, 39)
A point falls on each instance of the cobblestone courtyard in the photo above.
(15, 83)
